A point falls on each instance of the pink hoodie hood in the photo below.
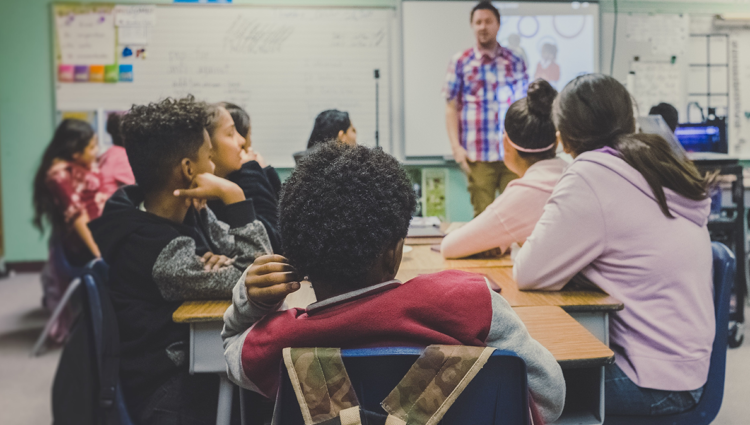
(695, 211)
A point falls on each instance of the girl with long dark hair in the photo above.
(330, 125)
(629, 215)
(67, 195)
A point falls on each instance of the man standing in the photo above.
(482, 83)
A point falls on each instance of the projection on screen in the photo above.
(553, 47)
(557, 41)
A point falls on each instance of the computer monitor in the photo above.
(703, 137)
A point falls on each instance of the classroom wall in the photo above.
(27, 112)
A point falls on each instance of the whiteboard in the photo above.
(434, 31)
(283, 65)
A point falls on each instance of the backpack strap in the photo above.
(322, 386)
(434, 383)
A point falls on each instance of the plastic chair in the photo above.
(61, 268)
(713, 392)
(104, 333)
(497, 395)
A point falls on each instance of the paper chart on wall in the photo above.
(86, 38)
(134, 23)
(656, 83)
(667, 34)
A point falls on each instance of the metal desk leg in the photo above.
(226, 390)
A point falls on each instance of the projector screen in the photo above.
(558, 41)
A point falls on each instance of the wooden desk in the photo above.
(571, 344)
(590, 308)
(581, 355)
(422, 257)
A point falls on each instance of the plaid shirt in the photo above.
(484, 89)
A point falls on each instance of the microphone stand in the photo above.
(377, 108)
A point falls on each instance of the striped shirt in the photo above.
(484, 88)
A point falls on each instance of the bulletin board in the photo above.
(283, 65)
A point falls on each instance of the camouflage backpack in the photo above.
(326, 396)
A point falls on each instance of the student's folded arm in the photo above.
(256, 185)
(569, 236)
(180, 275)
(486, 231)
(545, 377)
(238, 320)
(242, 237)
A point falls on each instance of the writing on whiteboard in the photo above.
(247, 35)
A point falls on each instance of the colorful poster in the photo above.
(111, 73)
(96, 73)
(65, 73)
(126, 73)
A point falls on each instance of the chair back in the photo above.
(105, 338)
(497, 395)
(724, 266)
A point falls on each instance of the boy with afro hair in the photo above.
(343, 217)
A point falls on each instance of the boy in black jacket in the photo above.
(163, 251)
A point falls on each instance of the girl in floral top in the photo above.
(67, 190)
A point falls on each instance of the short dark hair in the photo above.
(340, 209)
(327, 126)
(159, 135)
(485, 5)
(113, 128)
(668, 112)
(239, 116)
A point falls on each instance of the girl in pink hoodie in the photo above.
(630, 216)
(530, 144)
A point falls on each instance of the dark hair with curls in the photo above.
(159, 135)
(528, 122)
(327, 126)
(239, 116)
(341, 209)
(72, 136)
(595, 110)
(485, 5)
(113, 128)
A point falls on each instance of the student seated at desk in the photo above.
(242, 124)
(344, 214)
(630, 216)
(530, 144)
(330, 125)
(154, 241)
(247, 170)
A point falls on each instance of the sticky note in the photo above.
(126, 72)
(65, 73)
(111, 73)
(96, 73)
(81, 73)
